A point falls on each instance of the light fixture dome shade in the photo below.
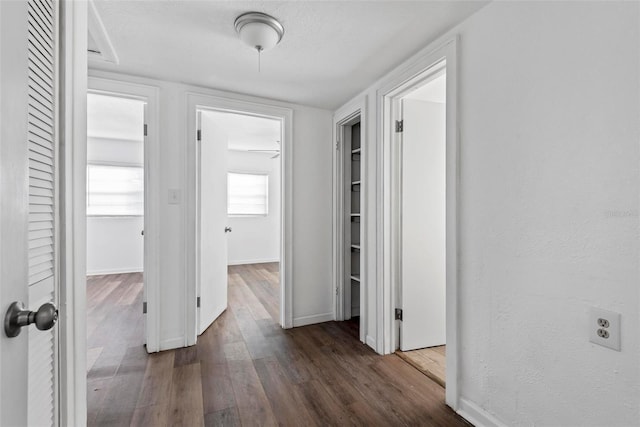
(259, 35)
(259, 30)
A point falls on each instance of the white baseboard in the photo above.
(253, 261)
(477, 416)
(114, 271)
(172, 343)
(371, 342)
(310, 320)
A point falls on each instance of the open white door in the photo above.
(423, 225)
(28, 211)
(212, 227)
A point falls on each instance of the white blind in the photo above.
(115, 190)
(41, 47)
(247, 194)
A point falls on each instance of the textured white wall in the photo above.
(549, 101)
(256, 239)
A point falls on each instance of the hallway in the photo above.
(246, 370)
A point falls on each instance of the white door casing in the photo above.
(150, 96)
(422, 67)
(422, 249)
(199, 102)
(212, 221)
(29, 207)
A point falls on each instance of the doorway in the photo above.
(349, 246)
(434, 209)
(238, 208)
(115, 209)
(422, 287)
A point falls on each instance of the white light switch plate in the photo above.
(604, 328)
(174, 197)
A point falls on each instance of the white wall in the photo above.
(114, 244)
(312, 150)
(548, 97)
(256, 239)
(423, 225)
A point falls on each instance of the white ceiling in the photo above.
(331, 50)
(434, 91)
(247, 132)
(114, 118)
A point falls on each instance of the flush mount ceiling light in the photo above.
(259, 31)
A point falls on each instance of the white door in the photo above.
(212, 237)
(423, 225)
(28, 157)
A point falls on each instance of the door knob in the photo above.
(142, 233)
(227, 230)
(17, 317)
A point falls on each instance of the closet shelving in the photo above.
(353, 183)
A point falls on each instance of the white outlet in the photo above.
(604, 328)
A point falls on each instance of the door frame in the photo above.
(389, 95)
(151, 261)
(72, 384)
(342, 120)
(197, 102)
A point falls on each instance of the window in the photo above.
(115, 190)
(247, 194)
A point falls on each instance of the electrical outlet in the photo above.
(604, 328)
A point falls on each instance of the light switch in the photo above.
(174, 196)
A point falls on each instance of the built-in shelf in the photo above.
(352, 174)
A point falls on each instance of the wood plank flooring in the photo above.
(430, 361)
(246, 370)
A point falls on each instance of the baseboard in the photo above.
(355, 311)
(477, 416)
(253, 261)
(371, 342)
(309, 320)
(172, 343)
(114, 271)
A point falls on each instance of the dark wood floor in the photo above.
(246, 370)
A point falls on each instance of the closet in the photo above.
(353, 216)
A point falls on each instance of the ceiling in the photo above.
(247, 133)
(434, 91)
(330, 52)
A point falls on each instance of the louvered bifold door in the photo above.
(41, 142)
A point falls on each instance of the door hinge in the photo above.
(144, 307)
(145, 129)
(337, 145)
(337, 291)
(399, 125)
(199, 135)
(398, 314)
(198, 302)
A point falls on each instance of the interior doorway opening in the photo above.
(115, 208)
(422, 226)
(351, 283)
(239, 210)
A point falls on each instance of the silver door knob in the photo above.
(227, 230)
(17, 317)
